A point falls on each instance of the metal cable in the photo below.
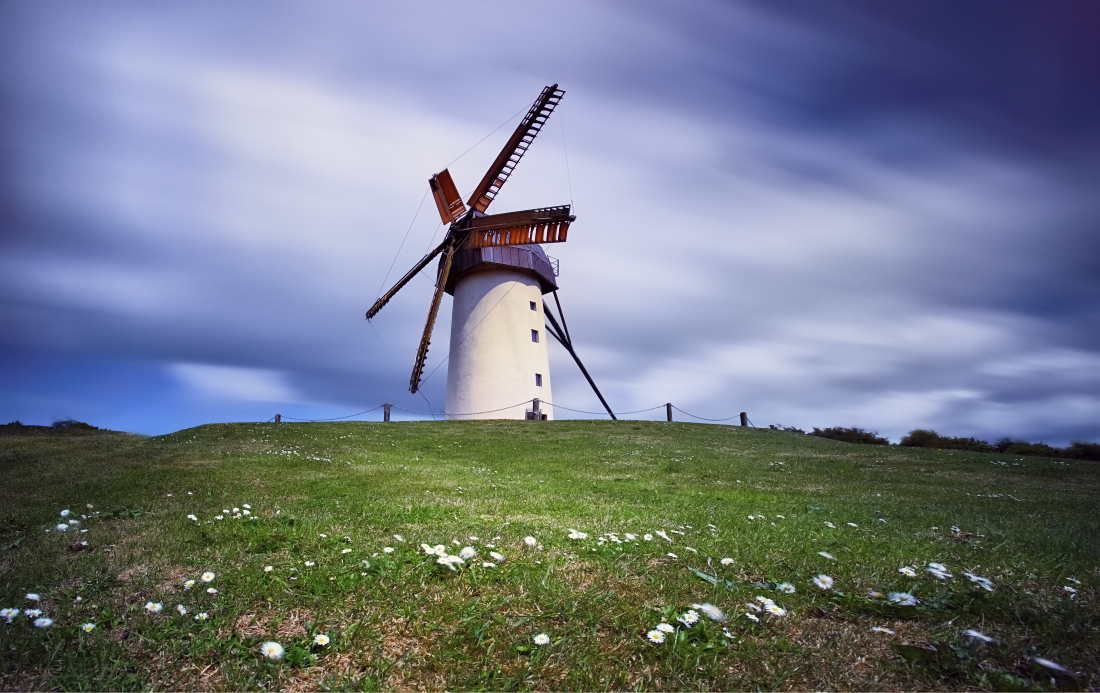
(338, 418)
(398, 254)
(518, 404)
(702, 418)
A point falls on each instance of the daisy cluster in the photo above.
(687, 620)
(69, 521)
(236, 513)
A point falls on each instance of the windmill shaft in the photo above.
(559, 334)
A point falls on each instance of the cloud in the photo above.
(865, 216)
(236, 383)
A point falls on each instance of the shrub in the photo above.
(850, 435)
(70, 424)
(1081, 451)
(920, 438)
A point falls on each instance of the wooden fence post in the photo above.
(668, 410)
(744, 419)
(386, 412)
(278, 418)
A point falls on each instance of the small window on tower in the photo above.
(538, 379)
(533, 306)
(535, 336)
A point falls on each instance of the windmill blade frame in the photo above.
(528, 128)
(385, 298)
(433, 311)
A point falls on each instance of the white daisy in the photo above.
(752, 617)
(985, 583)
(268, 569)
(246, 505)
(775, 610)
(43, 622)
(671, 555)
(574, 534)
(1043, 662)
(631, 537)
(201, 616)
(662, 535)
(310, 564)
(88, 627)
(647, 537)
(785, 588)
(218, 517)
(272, 650)
(153, 607)
(530, 541)
(211, 590)
(689, 618)
(852, 524)
(33, 613)
(61, 527)
(399, 538)
(824, 554)
(1071, 590)
(727, 561)
(467, 553)
(189, 584)
(8, 614)
(320, 639)
(712, 611)
(655, 636)
(345, 551)
(542, 639)
(182, 609)
(387, 549)
(665, 628)
(65, 513)
(193, 518)
(902, 598)
(32, 596)
(207, 576)
(496, 556)
(880, 629)
(824, 582)
(487, 564)
(907, 571)
(971, 633)
(830, 524)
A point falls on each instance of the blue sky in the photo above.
(826, 214)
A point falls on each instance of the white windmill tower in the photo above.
(497, 273)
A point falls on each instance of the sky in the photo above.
(881, 215)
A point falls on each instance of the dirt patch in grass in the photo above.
(251, 624)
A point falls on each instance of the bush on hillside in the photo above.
(1022, 447)
(1081, 451)
(920, 438)
(71, 425)
(850, 435)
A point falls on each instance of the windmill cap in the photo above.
(529, 259)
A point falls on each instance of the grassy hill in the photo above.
(325, 501)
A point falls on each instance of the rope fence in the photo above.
(534, 403)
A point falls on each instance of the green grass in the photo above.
(316, 490)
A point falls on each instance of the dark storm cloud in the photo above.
(857, 214)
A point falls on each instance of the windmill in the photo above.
(496, 271)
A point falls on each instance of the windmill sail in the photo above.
(515, 148)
